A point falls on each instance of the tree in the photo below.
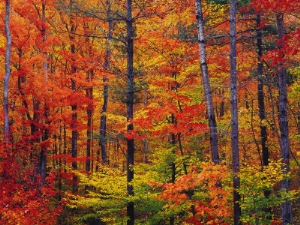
(129, 108)
(283, 119)
(261, 103)
(103, 128)
(45, 137)
(7, 72)
(234, 113)
(206, 82)
(72, 30)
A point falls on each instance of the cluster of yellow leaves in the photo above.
(257, 178)
(255, 182)
(105, 193)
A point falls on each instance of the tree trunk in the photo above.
(74, 105)
(74, 140)
(261, 105)
(103, 140)
(283, 120)
(234, 113)
(43, 153)
(89, 111)
(145, 141)
(129, 115)
(7, 72)
(206, 82)
(172, 141)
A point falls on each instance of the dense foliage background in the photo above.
(122, 112)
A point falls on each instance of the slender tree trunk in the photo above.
(129, 106)
(35, 134)
(89, 111)
(234, 113)
(64, 144)
(43, 153)
(283, 120)
(60, 163)
(74, 105)
(172, 141)
(206, 82)
(145, 141)
(103, 140)
(222, 104)
(89, 141)
(7, 72)
(21, 80)
(261, 105)
(260, 94)
(74, 140)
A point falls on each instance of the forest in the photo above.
(150, 112)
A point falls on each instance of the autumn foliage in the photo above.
(68, 158)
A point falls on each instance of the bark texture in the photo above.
(261, 104)
(283, 120)
(234, 113)
(103, 140)
(206, 83)
(7, 71)
(89, 111)
(74, 105)
(129, 113)
(43, 153)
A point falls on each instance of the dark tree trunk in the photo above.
(172, 140)
(43, 153)
(35, 131)
(74, 105)
(7, 72)
(261, 105)
(89, 111)
(103, 139)
(145, 141)
(222, 104)
(74, 141)
(234, 113)
(60, 163)
(261, 102)
(283, 120)
(129, 106)
(206, 82)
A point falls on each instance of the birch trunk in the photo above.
(206, 82)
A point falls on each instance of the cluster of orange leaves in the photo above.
(212, 203)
